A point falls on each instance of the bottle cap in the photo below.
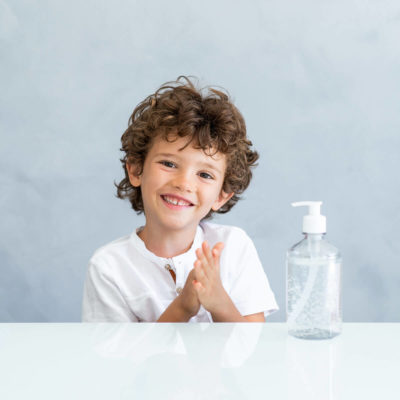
(314, 222)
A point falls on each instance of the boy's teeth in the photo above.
(175, 201)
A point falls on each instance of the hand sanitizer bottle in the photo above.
(313, 281)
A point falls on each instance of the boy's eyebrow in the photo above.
(203, 164)
(210, 166)
(165, 155)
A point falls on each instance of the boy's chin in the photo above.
(181, 224)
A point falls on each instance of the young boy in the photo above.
(187, 156)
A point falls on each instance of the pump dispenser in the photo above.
(314, 222)
(313, 281)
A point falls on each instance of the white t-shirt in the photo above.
(126, 282)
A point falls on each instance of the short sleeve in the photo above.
(102, 300)
(250, 289)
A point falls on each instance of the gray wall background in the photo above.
(317, 81)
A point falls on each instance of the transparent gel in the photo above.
(313, 289)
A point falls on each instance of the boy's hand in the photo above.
(188, 297)
(208, 285)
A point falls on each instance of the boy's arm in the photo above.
(229, 313)
(185, 306)
(175, 313)
(210, 290)
(233, 315)
(257, 317)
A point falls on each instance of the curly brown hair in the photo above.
(212, 122)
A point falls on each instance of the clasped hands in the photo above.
(203, 285)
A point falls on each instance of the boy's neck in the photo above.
(167, 244)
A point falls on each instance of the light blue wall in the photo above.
(317, 81)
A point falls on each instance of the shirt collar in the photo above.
(186, 258)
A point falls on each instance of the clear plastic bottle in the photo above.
(313, 281)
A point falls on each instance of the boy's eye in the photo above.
(168, 164)
(205, 175)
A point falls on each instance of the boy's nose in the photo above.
(183, 183)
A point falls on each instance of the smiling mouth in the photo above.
(173, 201)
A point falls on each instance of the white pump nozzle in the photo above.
(314, 222)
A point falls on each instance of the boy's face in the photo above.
(179, 187)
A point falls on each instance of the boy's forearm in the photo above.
(174, 313)
(227, 312)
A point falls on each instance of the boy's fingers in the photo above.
(220, 245)
(207, 253)
(197, 286)
(204, 262)
(195, 283)
(217, 249)
(200, 273)
(216, 253)
(192, 275)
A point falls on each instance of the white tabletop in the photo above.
(197, 361)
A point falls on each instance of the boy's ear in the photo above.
(221, 200)
(134, 176)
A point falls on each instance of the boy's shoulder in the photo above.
(111, 249)
(223, 233)
(237, 243)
